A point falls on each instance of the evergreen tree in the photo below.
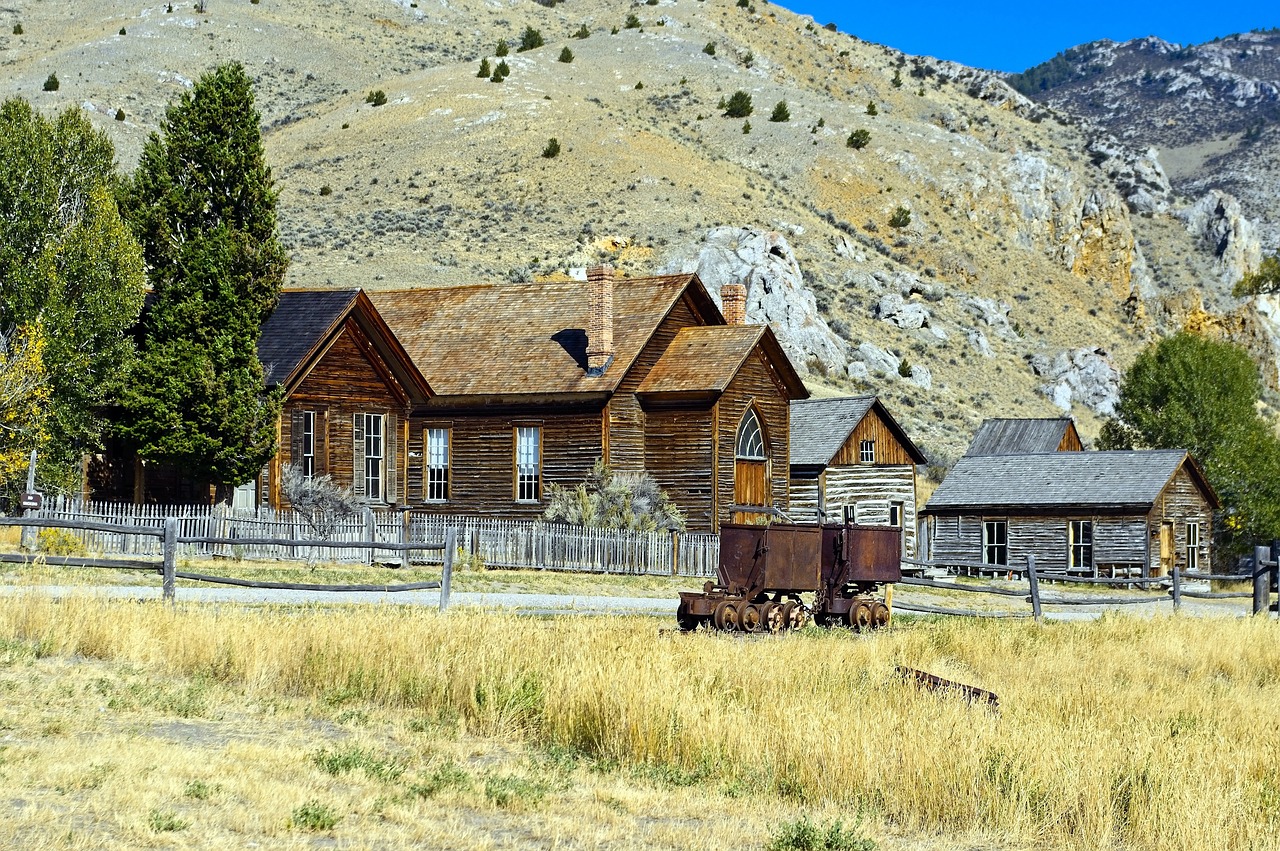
(204, 206)
(71, 277)
(738, 105)
(780, 112)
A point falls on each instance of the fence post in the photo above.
(675, 552)
(28, 537)
(370, 532)
(1177, 586)
(1275, 572)
(1261, 581)
(1035, 587)
(404, 537)
(170, 551)
(446, 574)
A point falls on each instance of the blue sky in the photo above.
(1014, 36)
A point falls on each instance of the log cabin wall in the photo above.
(626, 438)
(888, 450)
(1118, 540)
(804, 493)
(755, 385)
(482, 458)
(350, 380)
(870, 490)
(680, 455)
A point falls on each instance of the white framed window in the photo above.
(373, 456)
(437, 452)
(995, 542)
(750, 445)
(1080, 537)
(895, 514)
(307, 459)
(1193, 545)
(528, 463)
(850, 513)
(867, 451)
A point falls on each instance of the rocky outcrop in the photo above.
(1079, 376)
(776, 292)
(1218, 224)
(896, 310)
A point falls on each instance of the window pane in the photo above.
(373, 456)
(528, 463)
(750, 438)
(437, 463)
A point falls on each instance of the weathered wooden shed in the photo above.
(851, 460)
(1020, 436)
(1083, 512)
(533, 382)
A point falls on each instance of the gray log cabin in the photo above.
(1093, 513)
(851, 460)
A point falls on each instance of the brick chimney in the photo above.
(599, 319)
(733, 303)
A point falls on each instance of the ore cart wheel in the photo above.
(879, 615)
(725, 616)
(772, 617)
(860, 616)
(793, 615)
(750, 617)
(684, 620)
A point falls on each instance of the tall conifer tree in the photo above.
(203, 205)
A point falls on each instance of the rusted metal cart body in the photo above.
(764, 570)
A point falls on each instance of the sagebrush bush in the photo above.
(376, 97)
(582, 32)
(859, 138)
(552, 150)
(632, 22)
(901, 218)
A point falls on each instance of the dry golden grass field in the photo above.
(135, 725)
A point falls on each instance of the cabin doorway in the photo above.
(1167, 552)
(751, 485)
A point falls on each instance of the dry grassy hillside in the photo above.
(1020, 245)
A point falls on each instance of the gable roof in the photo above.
(306, 322)
(1019, 436)
(819, 427)
(530, 338)
(705, 358)
(1034, 482)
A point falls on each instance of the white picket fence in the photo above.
(493, 543)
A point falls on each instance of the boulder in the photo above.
(1219, 225)
(893, 308)
(1083, 376)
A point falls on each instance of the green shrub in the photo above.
(738, 105)
(897, 78)
(485, 70)
(859, 138)
(804, 835)
(326, 190)
(710, 49)
(502, 49)
(780, 112)
(119, 115)
(566, 55)
(632, 22)
(830, 26)
(639, 85)
(122, 32)
(609, 500)
(530, 40)
(51, 83)
(901, 218)
(503, 70)
(904, 368)
(314, 816)
(582, 32)
(447, 776)
(511, 792)
(345, 760)
(199, 790)
(746, 127)
(17, 29)
(552, 150)
(166, 821)
(871, 108)
(377, 97)
(742, 4)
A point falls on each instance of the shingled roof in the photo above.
(1019, 436)
(304, 324)
(819, 427)
(705, 359)
(1027, 483)
(300, 321)
(530, 338)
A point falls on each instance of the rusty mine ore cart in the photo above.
(764, 570)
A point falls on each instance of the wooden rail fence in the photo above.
(1262, 570)
(169, 540)
(286, 535)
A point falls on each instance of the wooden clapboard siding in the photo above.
(889, 450)
(1070, 439)
(1119, 540)
(1181, 502)
(753, 386)
(957, 538)
(350, 379)
(679, 454)
(482, 458)
(1043, 537)
(626, 437)
(871, 489)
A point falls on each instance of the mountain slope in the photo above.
(1212, 109)
(1020, 284)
